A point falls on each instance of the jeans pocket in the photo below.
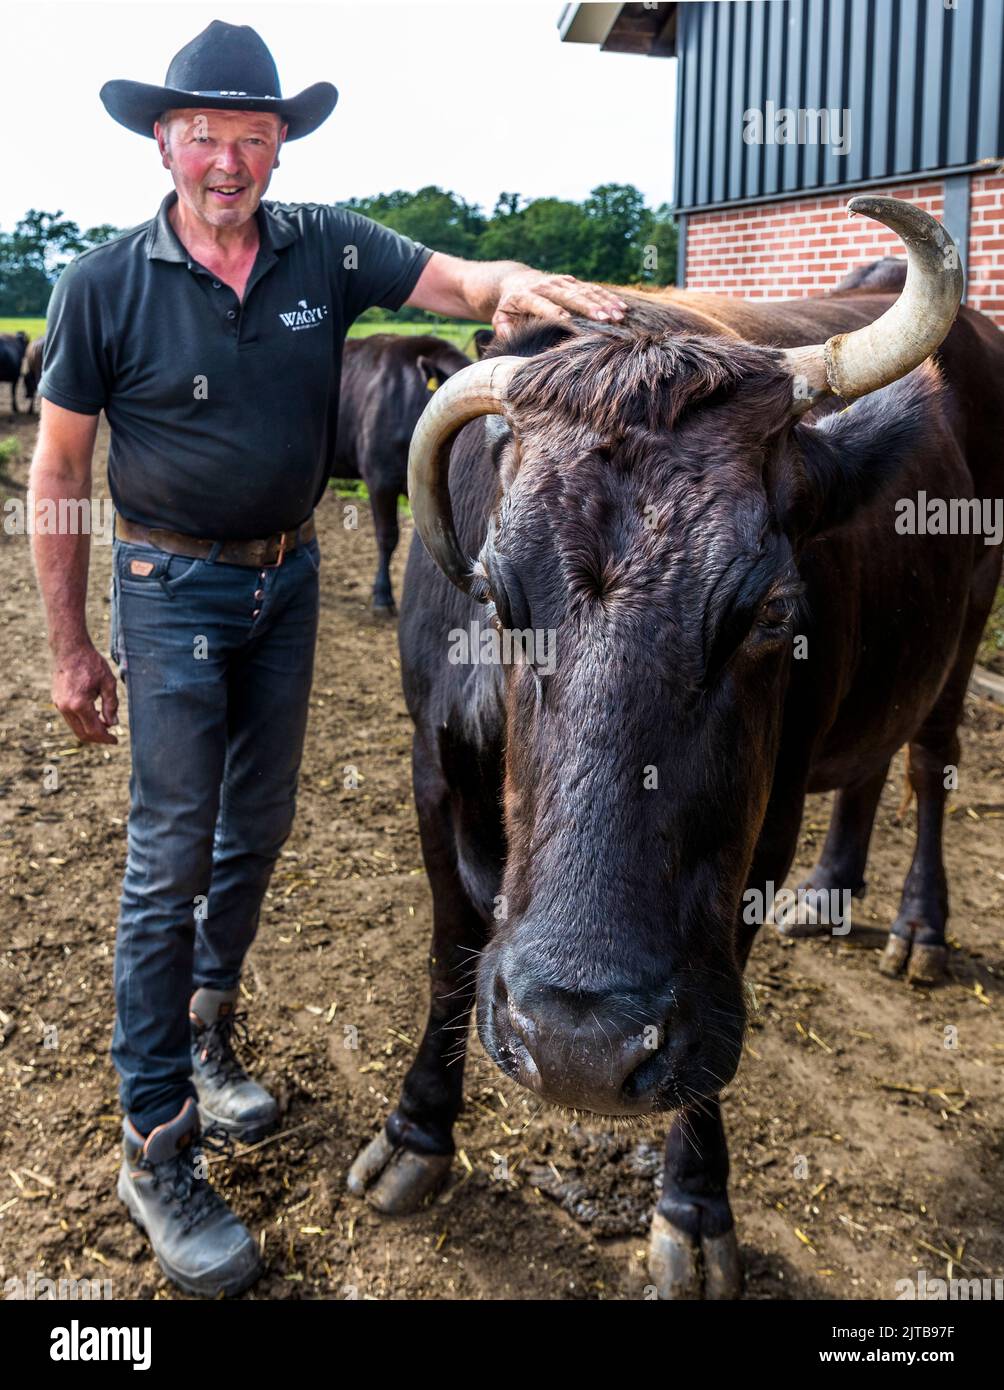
(312, 550)
(143, 569)
(114, 641)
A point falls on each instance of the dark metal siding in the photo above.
(922, 82)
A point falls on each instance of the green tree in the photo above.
(549, 233)
(658, 248)
(32, 256)
(617, 217)
(433, 216)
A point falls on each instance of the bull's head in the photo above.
(656, 492)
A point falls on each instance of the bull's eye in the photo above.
(506, 590)
(776, 612)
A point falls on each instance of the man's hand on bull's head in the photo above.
(532, 294)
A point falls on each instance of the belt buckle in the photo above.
(282, 554)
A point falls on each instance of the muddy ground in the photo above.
(863, 1148)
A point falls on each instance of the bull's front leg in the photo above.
(693, 1252)
(411, 1156)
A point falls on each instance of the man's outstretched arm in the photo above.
(500, 292)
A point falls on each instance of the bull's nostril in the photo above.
(646, 1078)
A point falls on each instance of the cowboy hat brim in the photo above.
(136, 105)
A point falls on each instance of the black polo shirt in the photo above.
(223, 415)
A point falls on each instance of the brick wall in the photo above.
(805, 246)
(985, 289)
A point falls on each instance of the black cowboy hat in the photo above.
(227, 67)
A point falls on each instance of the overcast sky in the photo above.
(476, 97)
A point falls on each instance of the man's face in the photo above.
(221, 161)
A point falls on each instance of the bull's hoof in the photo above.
(683, 1266)
(817, 910)
(396, 1180)
(895, 955)
(802, 917)
(928, 965)
(383, 612)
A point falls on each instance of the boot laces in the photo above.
(179, 1176)
(216, 1047)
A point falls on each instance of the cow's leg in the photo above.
(841, 865)
(383, 501)
(917, 938)
(411, 1156)
(693, 1252)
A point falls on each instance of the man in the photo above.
(211, 336)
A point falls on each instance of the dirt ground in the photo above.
(863, 1148)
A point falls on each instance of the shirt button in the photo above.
(256, 612)
(231, 313)
(258, 593)
(216, 285)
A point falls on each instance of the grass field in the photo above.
(453, 330)
(33, 327)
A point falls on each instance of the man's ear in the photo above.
(849, 457)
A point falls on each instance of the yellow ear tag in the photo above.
(432, 383)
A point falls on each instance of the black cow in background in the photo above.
(387, 380)
(33, 369)
(12, 350)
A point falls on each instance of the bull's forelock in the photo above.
(616, 379)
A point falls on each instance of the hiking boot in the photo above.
(199, 1243)
(228, 1098)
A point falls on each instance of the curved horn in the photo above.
(475, 390)
(852, 364)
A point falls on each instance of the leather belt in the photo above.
(264, 554)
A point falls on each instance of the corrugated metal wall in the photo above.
(922, 82)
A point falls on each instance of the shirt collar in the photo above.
(163, 244)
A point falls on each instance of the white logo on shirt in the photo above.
(304, 317)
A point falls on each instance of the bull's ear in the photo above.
(848, 458)
(431, 372)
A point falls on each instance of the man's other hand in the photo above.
(80, 677)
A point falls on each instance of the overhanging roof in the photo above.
(646, 29)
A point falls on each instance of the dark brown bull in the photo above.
(386, 381)
(12, 349)
(738, 621)
(32, 374)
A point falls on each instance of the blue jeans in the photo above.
(217, 660)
